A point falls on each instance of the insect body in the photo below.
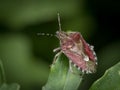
(80, 53)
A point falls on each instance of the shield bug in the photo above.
(77, 50)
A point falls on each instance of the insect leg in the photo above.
(55, 57)
(70, 66)
(56, 49)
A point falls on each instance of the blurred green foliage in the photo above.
(10, 87)
(26, 56)
(2, 73)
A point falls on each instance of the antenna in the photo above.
(47, 34)
(44, 34)
(59, 22)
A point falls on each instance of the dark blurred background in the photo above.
(27, 56)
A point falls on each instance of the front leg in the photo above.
(57, 49)
(55, 57)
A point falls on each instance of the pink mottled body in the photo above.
(77, 50)
(80, 53)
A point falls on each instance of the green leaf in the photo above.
(10, 87)
(110, 80)
(61, 78)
